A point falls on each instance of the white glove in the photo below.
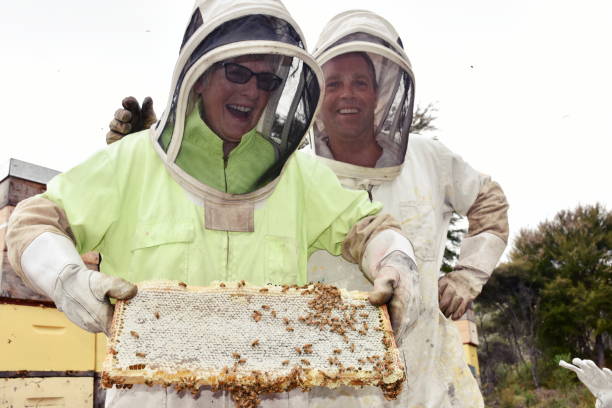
(53, 265)
(457, 289)
(389, 262)
(597, 380)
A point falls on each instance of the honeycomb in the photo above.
(251, 340)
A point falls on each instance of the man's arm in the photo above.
(474, 194)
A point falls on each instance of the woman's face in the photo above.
(231, 109)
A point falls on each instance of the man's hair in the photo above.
(368, 62)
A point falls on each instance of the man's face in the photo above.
(231, 109)
(350, 96)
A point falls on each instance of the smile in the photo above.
(348, 111)
(239, 111)
(240, 108)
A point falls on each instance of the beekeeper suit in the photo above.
(213, 192)
(421, 183)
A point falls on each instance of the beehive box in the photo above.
(251, 340)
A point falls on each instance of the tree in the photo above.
(554, 296)
(454, 235)
(575, 265)
(510, 299)
(422, 119)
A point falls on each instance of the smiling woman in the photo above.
(234, 95)
(244, 94)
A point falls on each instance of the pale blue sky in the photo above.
(523, 88)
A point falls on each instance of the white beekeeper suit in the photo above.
(421, 184)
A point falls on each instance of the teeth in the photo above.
(245, 109)
(348, 110)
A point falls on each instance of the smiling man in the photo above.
(348, 109)
(363, 135)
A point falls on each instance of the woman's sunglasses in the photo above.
(239, 74)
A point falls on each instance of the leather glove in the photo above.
(131, 118)
(597, 380)
(396, 282)
(83, 296)
(54, 267)
(457, 289)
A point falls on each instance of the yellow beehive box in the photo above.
(74, 392)
(471, 357)
(100, 350)
(37, 338)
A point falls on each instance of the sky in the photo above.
(522, 88)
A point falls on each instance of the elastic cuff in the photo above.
(381, 245)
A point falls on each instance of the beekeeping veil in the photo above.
(221, 30)
(365, 32)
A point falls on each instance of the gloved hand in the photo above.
(54, 267)
(396, 282)
(598, 381)
(131, 118)
(457, 289)
(83, 295)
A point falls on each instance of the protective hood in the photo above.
(371, 36)
(272, 120)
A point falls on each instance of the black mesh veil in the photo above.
(395, 95)
(290, 108)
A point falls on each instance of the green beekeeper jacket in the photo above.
(201, 156)
(123, 203)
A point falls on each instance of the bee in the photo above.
(289, 329)
(298, 350)
(134, 334)
(256, 316)
(222, 285)
(352, 347)
(255, 343)
(273, 313)
(242, 361)
(263, 290)
(140, 354)
(305, 362)
(386, 342)
(241, 283)
(337, 351)
(157, 315)
(265, 307)
(363, 315)
(113, 351)
(286, 320)
(236, 356)
(182, 284)
(286, 362)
